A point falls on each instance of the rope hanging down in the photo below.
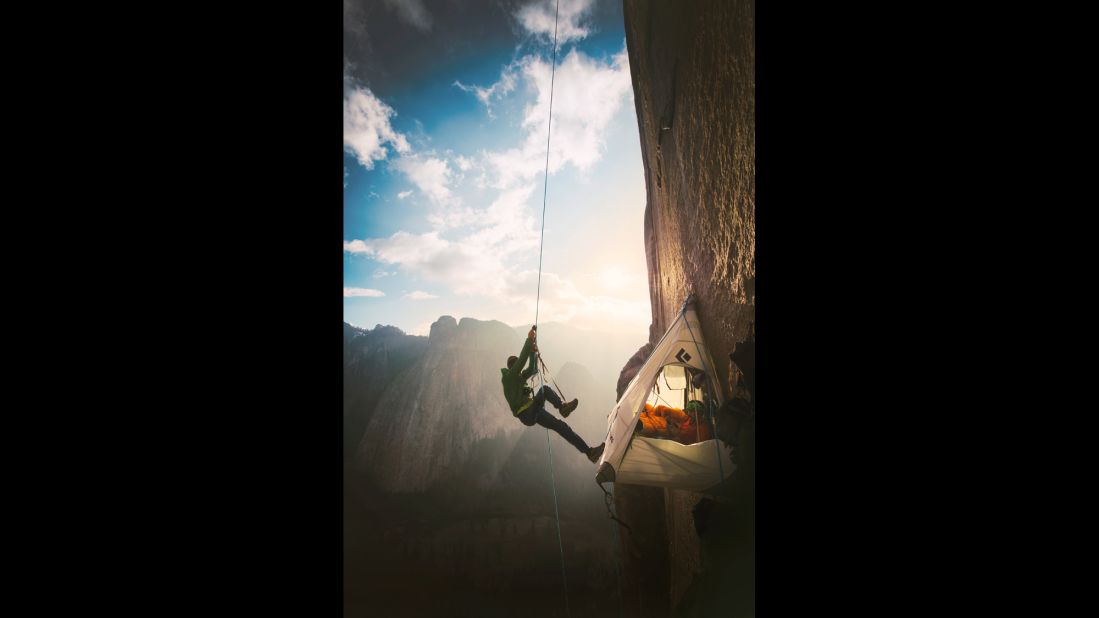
(538, 300)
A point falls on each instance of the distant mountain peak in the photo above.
(443, 328)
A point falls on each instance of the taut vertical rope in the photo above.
(560, 545)
(538, 300)
(545, 187)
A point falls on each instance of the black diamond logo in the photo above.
(683, 356)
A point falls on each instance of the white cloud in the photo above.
(431, 175)
(479, 250)
(504, 218)
(453, 218)
(379, 273)
(465, 164)
(486, 251)
(462, 267)
(366, 127)
(478, 262)
(537, 18)
(418, 295)
(412, 12)
(614, 279)
(587, 93)
(353, 292)
(354, 246)
(561, 301)
(507, 226)
(401, 248)
(496, 91)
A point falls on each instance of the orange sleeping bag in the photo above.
(654, 422)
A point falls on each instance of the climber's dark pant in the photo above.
(536, 414)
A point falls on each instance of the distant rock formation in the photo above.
(596, 401)
(430, 415)
(632, 367)
(372, 359)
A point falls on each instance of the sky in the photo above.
(446, 106)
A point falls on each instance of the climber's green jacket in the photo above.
(515, 379)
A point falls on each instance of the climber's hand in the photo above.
(532, 334)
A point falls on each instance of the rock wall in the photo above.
(693, 69)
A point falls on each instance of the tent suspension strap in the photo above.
(538, 301)
(617, 547)
(666, 402)
(608, 500)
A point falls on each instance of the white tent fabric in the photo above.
(664, 463)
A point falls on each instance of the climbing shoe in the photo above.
(569, 407)
(595, 452)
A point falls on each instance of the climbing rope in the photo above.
(537, 304)
(560, 545)
(608, 500)
(545, 186)
(546, 371)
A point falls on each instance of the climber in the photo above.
(531, 411)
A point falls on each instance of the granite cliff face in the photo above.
(429, 417)
(372, 359)
(693, 69)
